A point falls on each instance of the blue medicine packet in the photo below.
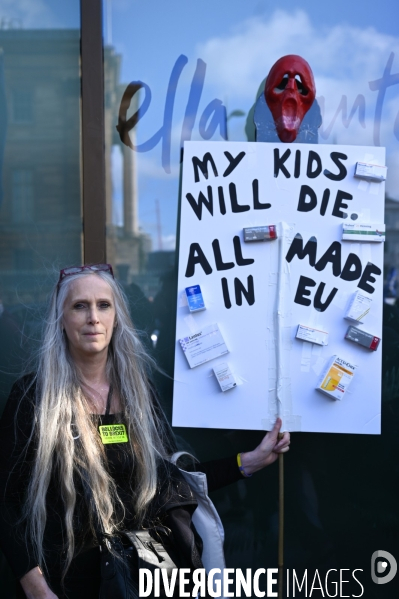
(195, 299)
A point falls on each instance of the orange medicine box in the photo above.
(336, 378)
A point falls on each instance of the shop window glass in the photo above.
(22, 196)
(39, 168)
(199, 68)
(22, 106)
(39, 174)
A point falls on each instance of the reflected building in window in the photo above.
(128, 245)
(40, 213)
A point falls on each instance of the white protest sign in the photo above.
(258, 292)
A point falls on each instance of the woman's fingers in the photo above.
(284, 442)
(266, 453)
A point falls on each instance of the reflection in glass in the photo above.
(40, 212)
(40, 203)
(204, 55)
(22, 106)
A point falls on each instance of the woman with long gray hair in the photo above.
(61, 477)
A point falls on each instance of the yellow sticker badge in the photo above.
(113, 433)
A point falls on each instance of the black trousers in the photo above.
(82, 580)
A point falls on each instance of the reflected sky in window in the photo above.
(229, 49)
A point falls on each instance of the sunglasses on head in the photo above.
(74, 270)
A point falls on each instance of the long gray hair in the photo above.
(66, 435)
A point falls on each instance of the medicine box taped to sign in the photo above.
(259, 291)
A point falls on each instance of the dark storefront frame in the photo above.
(93, 142)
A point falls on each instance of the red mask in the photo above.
(289, 93)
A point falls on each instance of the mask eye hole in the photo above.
(300, 86)
(283, 83)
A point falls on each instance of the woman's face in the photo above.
(89, 316)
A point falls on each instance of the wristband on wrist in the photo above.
(241, 468)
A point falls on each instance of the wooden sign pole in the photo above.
(280, 525)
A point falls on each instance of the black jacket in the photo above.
(173, 505)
